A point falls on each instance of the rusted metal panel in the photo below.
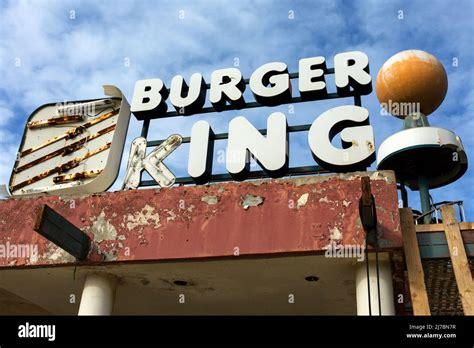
(54, 121)
(295, 215)
(72, 133)
(59, 169)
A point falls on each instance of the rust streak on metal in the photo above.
(39, 216)
(55, 121)
(61, 168)
(366, 193)
(66, 150)
(72, 133)
(76, 176)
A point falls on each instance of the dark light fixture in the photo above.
(61, 232)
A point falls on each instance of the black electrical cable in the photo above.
(377, 274)
(378, 277)
(368, 274)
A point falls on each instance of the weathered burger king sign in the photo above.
(86, 157)
(270, 85)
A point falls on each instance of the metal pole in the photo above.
(424, 198)
(98, 295)
(365, 284)
(404, 193)
(461, 211)
(145, 128)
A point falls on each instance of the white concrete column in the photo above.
(386, 288)
(98, 295)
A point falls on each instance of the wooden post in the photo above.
(459, 261)
(416, 276)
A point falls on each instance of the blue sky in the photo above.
(52, 51)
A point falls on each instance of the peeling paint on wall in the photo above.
(255, 216)
(211, 200)
(143, 218)
(335, 234)
(57, 254)
(250, 201)
(302, 200)
(171, 215)
(102, 229)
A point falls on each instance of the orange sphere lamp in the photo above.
(411, 85)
